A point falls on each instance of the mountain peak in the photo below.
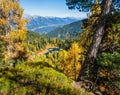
(36, 16)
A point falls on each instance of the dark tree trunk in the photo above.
(89, 68)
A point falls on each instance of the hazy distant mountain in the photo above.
(67, 31)
(45, 24)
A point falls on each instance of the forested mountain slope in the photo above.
(67, 31)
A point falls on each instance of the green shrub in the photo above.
(109, 72)
(27, 79)
(108, 59)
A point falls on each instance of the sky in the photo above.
(54, 8)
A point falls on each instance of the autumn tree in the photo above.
(12, 30)
(107, 7)
(73, 65)
(63, 56)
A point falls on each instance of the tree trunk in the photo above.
(89, 68)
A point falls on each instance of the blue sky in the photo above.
(55, 8)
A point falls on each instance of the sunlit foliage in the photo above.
(13, 30)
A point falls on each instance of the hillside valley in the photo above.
(42, 25)
(67, 31)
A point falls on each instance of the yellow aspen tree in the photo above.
(74, 64)
(13, 29)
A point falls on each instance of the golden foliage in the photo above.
(18, 35)
(13, 28)
(73, 65)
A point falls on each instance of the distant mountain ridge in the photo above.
(41, 24)
(68, 31)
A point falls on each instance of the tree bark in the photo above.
(89, 67)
